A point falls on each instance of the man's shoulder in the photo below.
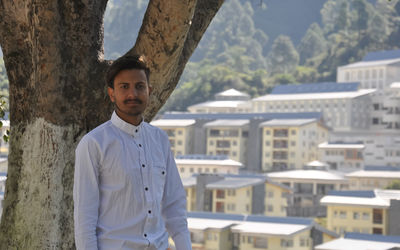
(98, 132)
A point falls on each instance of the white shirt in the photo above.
(127, 190)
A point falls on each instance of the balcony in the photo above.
(281, 132)
(280, 155)
(280, 144)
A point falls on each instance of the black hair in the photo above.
(126, 62)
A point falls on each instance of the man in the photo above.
(127, 189)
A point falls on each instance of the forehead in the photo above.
(130, 76)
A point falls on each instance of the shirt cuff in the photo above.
(182, 241)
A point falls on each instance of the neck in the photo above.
(131, 119)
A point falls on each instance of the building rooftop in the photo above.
(381, 55)
(204, 224)
(375, 174)
(234, 183)
(226, 162)
(370, 63)
(357, 241)
(266, 228)
(221, 104)
(189, 181)
(231, 93)
(240, 116)
(372, 198)
(227, 123)
(287, 122)
(327, 145)
(173, 122)
(315, 96)
(255, 224)
(324, 87)
(307, 175)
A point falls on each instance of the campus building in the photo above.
(214, 231)
(228, 137)
(229, 101)
(239, 132)
(196, 164)
(180, 134)
(236, 194)
(358, 241)
(344, 105)
(371, 212)
(344, 157)
(290, 144)
(308, 186)
(373, 177)
(377, 70)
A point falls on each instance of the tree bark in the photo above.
(53, 53)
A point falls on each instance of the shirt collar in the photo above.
(126, 127)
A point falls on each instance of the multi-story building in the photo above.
(344, 106)
(228, 231)
(276, 198)
(228, 137)
(4, 144)
(236, 194)
(197, 164)
(377, 70)
(362, 241)
(370, 212)
(254, 140)
(180, 134)
(229, 101)
(373, 177)
(233, 195)
(308, 186)
(345, 157)
(291, 143)
(381, 148)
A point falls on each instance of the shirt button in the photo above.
(149, 211)
(136, 130)
(143, 166)
(146, 188)
(140, 145)
(163, 172)
(145, 235)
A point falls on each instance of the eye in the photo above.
(124, 86)
(140, 86)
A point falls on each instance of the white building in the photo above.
(197, 164)
(345, 157)
(344, 106)
(377, 70)
(229, 101)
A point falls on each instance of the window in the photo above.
(191, 170)
(179, 132)
(270, 208)
(182, 170)
(223, 144)
(292, 143)
(377, 230)
(267, 143)
(377, 216)
(234, 153)
(271, 194)
(356, 215)
(280, 132)
(286, 243)
(342, 214)
(293, 132)
(260, 242)
(220, 193)
(211, 142)
(234, 143)
(207, 170)
(375, 121)
(267, 132)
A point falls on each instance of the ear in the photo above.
(150, 89)
(111, 94)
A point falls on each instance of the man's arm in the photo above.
(174, 207)
(86, 195)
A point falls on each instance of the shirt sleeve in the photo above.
(174, 207)
(86, 195)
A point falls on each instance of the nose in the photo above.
(132, 92)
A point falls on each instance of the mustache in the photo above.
(137, 101)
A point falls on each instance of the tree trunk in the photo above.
(54, 59)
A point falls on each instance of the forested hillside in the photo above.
(252, 45)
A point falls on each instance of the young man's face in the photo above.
(130, 95)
